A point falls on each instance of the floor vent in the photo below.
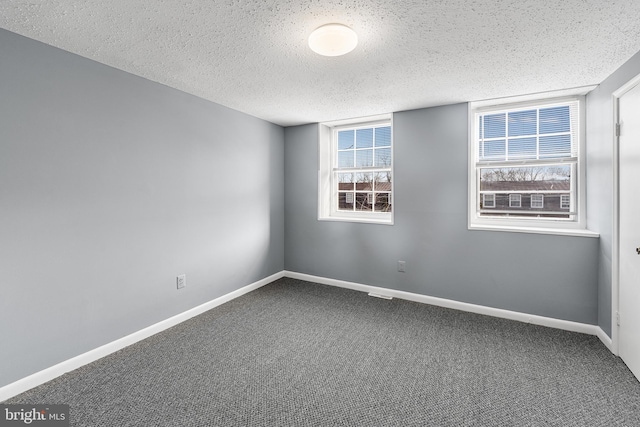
(373, 294)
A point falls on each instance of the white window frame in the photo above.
(327, 166)
(539, 204)
(577, 226)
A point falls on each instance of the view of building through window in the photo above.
(545, 189)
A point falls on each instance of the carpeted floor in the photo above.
(299, 354)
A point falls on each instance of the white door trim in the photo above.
(615, 249)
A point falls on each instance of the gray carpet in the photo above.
(299, 354)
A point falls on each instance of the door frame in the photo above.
(615, 245)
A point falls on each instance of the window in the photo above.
(526, 165)
(537, 201)
(488, 200)
(356, 170)
(349, 198)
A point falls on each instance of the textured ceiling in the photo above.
(252, 55)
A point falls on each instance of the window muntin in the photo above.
(528, 149)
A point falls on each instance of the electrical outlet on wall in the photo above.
(181, 281)
(402, 266)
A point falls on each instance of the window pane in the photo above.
(382, 202)
(383, 157)
(532, 178)
(363, 202)
(495, 149)
(555, 119)
(522, 148)
(555, 146)
(383, 136)
(345, 139)
(382, 186)
(364, 138)
(523, 123)
(345, 159)
(526, 191)
(382, 181)
(345, 201)
(364, 158)
(364, 182)
(346, 182)
(495, 126)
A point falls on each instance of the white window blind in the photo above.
(546, 133)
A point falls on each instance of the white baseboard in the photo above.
(52, 372)
(61, 368)
(463, 306)
(606, 340)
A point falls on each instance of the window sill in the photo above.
(536, 230)
(381, 221)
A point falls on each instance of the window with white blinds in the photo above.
(529, 134)
(525, 160)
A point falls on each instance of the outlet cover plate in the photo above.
(181, 281)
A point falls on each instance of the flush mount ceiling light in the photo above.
(333, 40)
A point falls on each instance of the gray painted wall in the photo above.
(554, 276)
(110, 186)
(600, 143)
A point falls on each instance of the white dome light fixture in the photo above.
(333, 40)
